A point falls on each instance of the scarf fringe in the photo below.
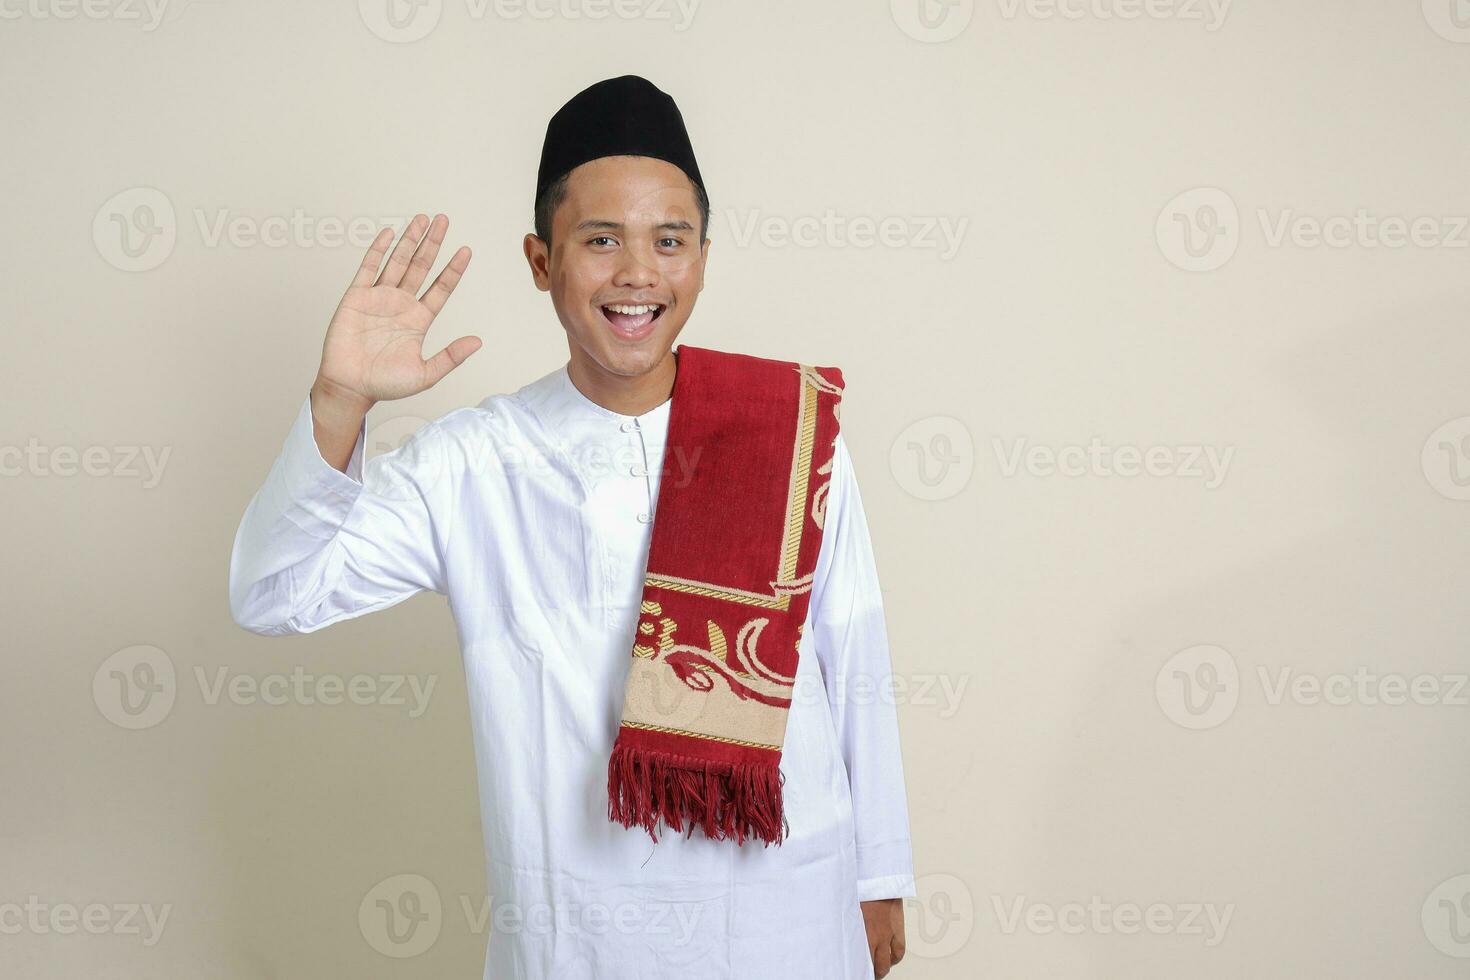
(724, 799)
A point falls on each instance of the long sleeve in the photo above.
(317, 545)
(852, 648)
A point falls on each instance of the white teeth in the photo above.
(631, 310)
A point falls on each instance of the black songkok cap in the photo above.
(625, 116)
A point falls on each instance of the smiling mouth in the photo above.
(632, 321)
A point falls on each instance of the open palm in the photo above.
(374, 350)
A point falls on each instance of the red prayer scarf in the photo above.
(737, 531)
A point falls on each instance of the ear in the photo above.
(538, 257)
(703, 260)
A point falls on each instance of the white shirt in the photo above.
(532, 512)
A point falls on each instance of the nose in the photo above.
(635, 270)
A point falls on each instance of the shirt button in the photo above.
(645, 518)
(637, 471)
(628, 426)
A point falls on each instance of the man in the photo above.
(534, 513)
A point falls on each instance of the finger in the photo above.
(407, 243)
(423, 259)
(438, 293)
(368, 271)
(899, 946)
(451, 357)
(881, 960)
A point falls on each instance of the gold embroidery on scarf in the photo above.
(665, 638)
(718, 650)
(708, 738)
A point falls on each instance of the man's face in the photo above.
(626, 262)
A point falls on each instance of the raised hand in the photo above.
(374, 350)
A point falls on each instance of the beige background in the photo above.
(1072, 619)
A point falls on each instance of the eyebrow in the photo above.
(602, 224)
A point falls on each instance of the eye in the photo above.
(602, 239)
(670, 242)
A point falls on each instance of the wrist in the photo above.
(331, 401)
(337, 418)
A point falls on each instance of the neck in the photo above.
(625, 394)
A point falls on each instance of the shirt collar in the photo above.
(560, 402)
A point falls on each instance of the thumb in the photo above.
(451, 357)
